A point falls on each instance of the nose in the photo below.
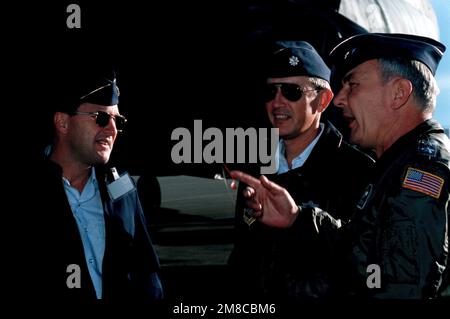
(279, 101)
(278, 96)
(111, 125)
(340, 99)
(275, 102)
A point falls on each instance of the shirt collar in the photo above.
(91, 179)
(300, 159)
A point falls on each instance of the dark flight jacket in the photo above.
(402, 221)
(333, 176)
(50, 242)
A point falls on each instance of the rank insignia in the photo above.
(427, 148)
(248, 217)
(293, 60)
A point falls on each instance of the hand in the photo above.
(272, 204)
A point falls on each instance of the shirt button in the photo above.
(91, 261)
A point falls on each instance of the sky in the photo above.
(442, 113)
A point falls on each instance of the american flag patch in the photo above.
(423, 182)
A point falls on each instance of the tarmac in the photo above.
(193, 235)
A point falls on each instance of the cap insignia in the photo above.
(293, 60)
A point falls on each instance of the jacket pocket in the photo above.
(399, 253)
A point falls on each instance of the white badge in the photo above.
(120, 187)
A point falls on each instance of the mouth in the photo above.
(281, 116)
(104, 143)
(350, 120)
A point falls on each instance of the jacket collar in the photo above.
(330, 140)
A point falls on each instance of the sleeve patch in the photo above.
(423, 182)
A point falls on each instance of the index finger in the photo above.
(247, 179)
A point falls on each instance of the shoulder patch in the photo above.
(423, 182)
(427, 148)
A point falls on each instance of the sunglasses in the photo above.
(102, 119)
(292, 92)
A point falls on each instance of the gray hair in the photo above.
(425, 88)
(320, 83)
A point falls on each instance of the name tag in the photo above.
(120, 187)
(365, 197)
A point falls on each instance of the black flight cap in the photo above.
(93, 83)
(363, 47)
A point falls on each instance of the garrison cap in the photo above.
(363, 47)
(296, 58)
(86, 83)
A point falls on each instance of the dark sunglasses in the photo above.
(102, 119)
(292, 92)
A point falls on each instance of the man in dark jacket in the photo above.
(87, 233)
(315, 165)
(397, 242)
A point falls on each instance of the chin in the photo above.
(358, 141)
(288, 136)
(102, 158)
(353, 140)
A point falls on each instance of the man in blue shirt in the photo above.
(87, 231)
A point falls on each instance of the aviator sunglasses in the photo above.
(292, 92)
(102, 119)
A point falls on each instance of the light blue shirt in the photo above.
(87, 209)
(300, 159)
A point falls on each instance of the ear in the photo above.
(61, 122)
(325, 96)
(401, 91)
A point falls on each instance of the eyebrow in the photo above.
(347, 77)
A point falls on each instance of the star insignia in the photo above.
(293, 60)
